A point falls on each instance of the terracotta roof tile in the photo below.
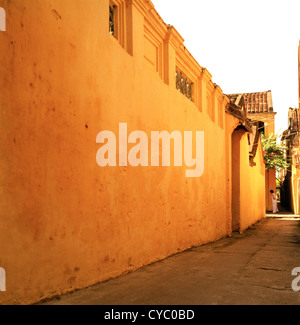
(260, 102)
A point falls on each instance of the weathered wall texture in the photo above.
(65, 222)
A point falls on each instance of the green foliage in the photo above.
(273, 150)
(278, 183)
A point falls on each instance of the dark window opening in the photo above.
(261, 127)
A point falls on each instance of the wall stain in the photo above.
(56, 14)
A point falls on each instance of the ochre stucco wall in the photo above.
(270, 180)
(294, 190)
(252, 193)
(270, 175)
(248, 183)
(65, 222)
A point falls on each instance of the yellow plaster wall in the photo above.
(65, 222)
(268, 119)
(252, 194)
(295, 195)
(248, 183)
(270, 127)
(270, 175)
(236, 171)
(270, 179)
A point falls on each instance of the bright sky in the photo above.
(247, 45)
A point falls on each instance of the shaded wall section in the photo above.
(236, 178)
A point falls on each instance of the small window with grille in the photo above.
(113, 21)
(184, 85)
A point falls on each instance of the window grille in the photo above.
(112, 20)
(183, 85)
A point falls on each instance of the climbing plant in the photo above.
(274, 150)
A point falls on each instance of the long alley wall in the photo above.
(65, 221)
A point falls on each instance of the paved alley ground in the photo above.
(250, 268)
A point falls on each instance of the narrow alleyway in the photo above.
(250, 268)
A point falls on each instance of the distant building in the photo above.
(291, 176)
(258, 107)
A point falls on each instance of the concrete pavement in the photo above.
(250, 268)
